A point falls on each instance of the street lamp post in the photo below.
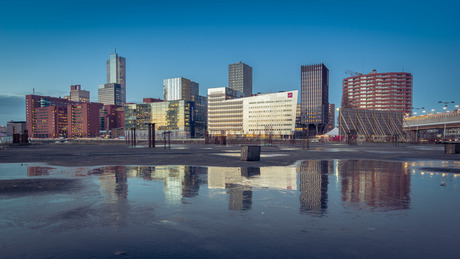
(445, 119)
(416, 130)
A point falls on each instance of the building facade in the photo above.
(83, 120)
(231, 114)
(111, 94)
(15, 127)
(315, 97)
(178, 88)
(370, 125)
(78, 95)
(240, 78)
(116, 70)
(173, 116)
(51, 117)
(111, 117)
(46, 116)
(331, 118)
(114, 91)
(379, 91)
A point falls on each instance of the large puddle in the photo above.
(334, 208)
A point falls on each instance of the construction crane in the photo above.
(352, 73)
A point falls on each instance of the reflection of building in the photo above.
(313, 186)
(240, 197)
(239, 182)
(271, 114)
(379, 184)
(38, 170)
(378, 91)
(276, 177)
(240, 78)
(179, 181)
(114, 182)
(315, 96)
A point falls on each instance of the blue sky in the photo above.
(49, 45)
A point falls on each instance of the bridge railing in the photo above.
(431, 119)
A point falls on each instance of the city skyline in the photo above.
(45, 48)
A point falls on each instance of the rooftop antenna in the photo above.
(115, 50)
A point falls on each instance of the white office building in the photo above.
(230, 114)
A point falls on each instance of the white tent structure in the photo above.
(334, 132)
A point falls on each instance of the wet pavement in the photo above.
(313, 208)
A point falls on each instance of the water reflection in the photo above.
(376, 184)
(38, 170)
(379, 184)
(313, 187)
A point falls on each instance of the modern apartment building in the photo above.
(240, 78)
(231, 114)
(379, 91)
(315, 97)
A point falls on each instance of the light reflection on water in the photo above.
(358, 205)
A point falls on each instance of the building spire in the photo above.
(115, 50)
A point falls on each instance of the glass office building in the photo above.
(174, 116)
(315, 96)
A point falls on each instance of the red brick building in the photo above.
(112, 117)
(378, 91)
(46, 117)
(83, 120)
(51, 117)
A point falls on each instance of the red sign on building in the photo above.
(289, 95)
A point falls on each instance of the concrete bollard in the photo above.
(250, 153)
(452, 148)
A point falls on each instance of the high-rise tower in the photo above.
(315, 96)
(114, 91)
(116, 70)
(240, 78)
